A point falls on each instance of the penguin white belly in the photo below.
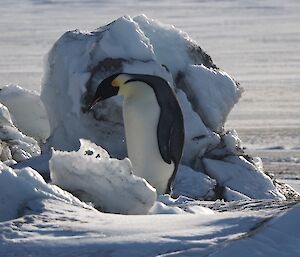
(141, 115)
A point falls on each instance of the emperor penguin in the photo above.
(154, 128)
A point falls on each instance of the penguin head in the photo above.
(104, 90)
(110, 86)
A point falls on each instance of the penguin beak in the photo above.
(109, 87)
(93, 103)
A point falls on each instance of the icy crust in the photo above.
(14, 145)
(18, 187)
(79, 61)
(106, 182)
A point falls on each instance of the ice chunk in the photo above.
(172, 47)
(213, 93)
(13, 143)
(182, 205)
(137, 46)
(169, 43)
(161, 208)
(193, 184)
(27, 111)
(106, 182)
(243, 177)
(232, 195)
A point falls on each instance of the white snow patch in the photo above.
(13, 143)
(17, 187)
(169, 43)
(240, 175)
(161, 208)
(106, 182)
(135, 45)
(187, 204)
(232, 142)
(232, 195)
(27, 111)
(213, 93)
(279, 237)
(193, 184)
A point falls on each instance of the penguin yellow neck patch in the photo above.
(116, 83)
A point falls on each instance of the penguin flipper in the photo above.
(170, 130)
(170, 134)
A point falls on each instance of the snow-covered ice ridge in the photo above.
(214, 158)
(34, 213)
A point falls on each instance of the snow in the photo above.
(39, 163)
(160, 35)
(193, 184)
(18, 187)
(207, 83)
(198, 138)
(32, 120)
(106, 182)
(55, 228)
(138, 47)
(79, 61)
(267, 116)
(281, 235)
(243, 177)
(14, 145)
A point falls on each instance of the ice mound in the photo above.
(79, 61)
(108, 183)
(27, 111)
(18, 187)
(14, 145)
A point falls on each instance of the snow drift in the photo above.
(108, 183)
(18, 187)
(79, 61)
